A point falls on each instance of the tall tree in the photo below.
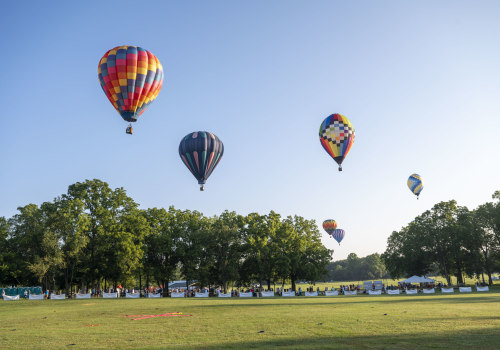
(161, 245)
(484, 225)
(192, 228)
(308, 257)
(226, 247)
(104, 254)
(68, 223)
(259, 247)
(7, 256)
(29, 242)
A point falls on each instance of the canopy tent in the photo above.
(418, 279)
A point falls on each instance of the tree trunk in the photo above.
(66, 281)
(487, 265)
(268, 284)
(72, 275)
(448, 280)
(459, 274)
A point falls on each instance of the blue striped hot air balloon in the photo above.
(201, 151)
(338, 235)
(415, 184)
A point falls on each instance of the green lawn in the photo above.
(465, 321)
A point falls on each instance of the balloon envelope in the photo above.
(201, 151)
(131, 78)
(415, 184)
(338, 235)
(329, 226)
(336, 135)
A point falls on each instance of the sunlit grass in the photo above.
(387, 282)
(439, 321)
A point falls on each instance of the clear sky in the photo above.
(419, 80)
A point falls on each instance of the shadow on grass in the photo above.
(487, 339)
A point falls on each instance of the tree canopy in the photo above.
(94, 236)
(449, 239)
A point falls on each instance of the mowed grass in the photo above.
(466, 321)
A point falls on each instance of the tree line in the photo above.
(354, 268)
(94, 236)
(449, 239)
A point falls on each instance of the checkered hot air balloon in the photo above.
(131, 78)
(338, 235)
(201, 151)
(329, 226)
(415, 184)
(336, 135)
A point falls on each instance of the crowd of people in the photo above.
(256, 291)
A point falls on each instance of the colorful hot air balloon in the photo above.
(201, 152)
(329, 226)
(338, 235)
(336, 135)
(415, 184)
(131, 78)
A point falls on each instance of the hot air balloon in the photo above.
(336, 135)
(201, 151)
(329, 226)
(131, 78)
(338, 235)
(415, 184)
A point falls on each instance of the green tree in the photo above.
(192, 228)
(7, 257)
(161, 245)
(484, 225)
(114, 227)
(35, 246)
(405, 254)
(259, 247)
(225, 246)
(308, 257)
(68, 223)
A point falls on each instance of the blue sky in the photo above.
(419, 80)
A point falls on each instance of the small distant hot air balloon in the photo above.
(336, 135)
(329, 226)
(201, 151)
(131, 78)
(338, 235)
(415, 184)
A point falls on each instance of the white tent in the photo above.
(418, 279)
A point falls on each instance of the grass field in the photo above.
(466, 321)
(387, 282)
